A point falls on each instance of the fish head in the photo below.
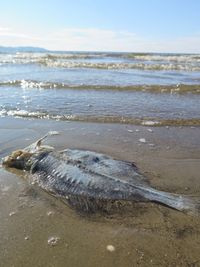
(23, 159)
(18, 159)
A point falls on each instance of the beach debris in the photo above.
(110, 248)
(142, 140)
(137, 130)
(50, 213)
(82, 176)
(130, 131)
(53, 240)
(12, 213)
(150, 130)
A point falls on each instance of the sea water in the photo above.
(134, 88)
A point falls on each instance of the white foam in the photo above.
(142, 140)
(30, 84)
(150, 123)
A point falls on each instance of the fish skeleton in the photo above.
(73, 173)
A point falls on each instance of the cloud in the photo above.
(7, 35)
(94, 39)
(4, 29)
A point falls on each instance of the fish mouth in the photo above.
(15, 159)
(7, 161)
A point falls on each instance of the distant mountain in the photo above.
(8, 49)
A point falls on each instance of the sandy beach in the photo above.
(144, 234)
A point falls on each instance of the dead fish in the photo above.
(79, 174)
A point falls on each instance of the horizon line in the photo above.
(94, 51)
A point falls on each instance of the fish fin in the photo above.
(190, 205)
(186, 204)
(38, 144)
(88, 205)
(50, 133)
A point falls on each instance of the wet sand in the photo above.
(143, 234)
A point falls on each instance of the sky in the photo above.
(102, 25)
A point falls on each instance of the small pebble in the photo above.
(52, 241)
(12, 213)
(110, 248)
(130, 131)
(50, 213)
(150, 130)
(26, 237)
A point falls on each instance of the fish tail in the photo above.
(187, 204)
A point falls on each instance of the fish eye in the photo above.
(17, 154)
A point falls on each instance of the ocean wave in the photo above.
(172, 89)
(70, 56)
(28, 84)
(100, 119)
(140, 61)
(29, 58)
(117, 66)
(189, 58)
